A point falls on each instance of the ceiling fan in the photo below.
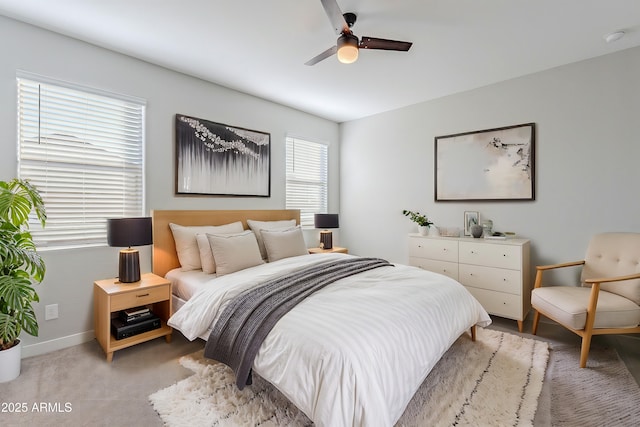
(348, 45)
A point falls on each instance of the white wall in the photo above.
(587, 119)
(587, 150)
(70, 273)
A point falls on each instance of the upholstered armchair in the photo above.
(608, 298)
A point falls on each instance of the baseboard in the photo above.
(57, 344)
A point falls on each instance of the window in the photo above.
(306, 178)
(83, 149)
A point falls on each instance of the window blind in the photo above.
(306, 182)
(83, 150)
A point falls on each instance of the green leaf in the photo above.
(20, 264)
(17, 199)
(9, 330)
(16, 291)
(27, 319)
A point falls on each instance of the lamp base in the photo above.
(129, 266)
(326, 239)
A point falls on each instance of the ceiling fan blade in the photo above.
(324, 55)
(384, 44)
(335, 16)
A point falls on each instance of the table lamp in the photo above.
(326, 221)
(127, 232)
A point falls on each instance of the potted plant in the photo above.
(420, 219)
(21, 267)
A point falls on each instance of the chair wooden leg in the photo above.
(536, 314)
(536, 319)
(588, 327)
(584, 352)
(473, 333)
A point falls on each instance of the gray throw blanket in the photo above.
(249, 317)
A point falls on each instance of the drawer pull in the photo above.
(143, 295)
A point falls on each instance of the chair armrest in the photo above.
(542, 268)
(564, 264)
(613, 279)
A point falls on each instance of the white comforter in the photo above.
(354, 353)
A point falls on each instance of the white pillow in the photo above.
(234, 252)
(187, 245)
(284, 243)
(258, 226)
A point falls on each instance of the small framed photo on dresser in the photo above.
(470, 218)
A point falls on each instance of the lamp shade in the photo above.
(127, 232)
(326, 221)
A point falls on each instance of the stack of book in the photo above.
(135, 314)
(134, 321)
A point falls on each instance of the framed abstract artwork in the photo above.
(218, 159)
(486, 165)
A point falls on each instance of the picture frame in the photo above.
(486, 165)
(218, 159)
(470, 218)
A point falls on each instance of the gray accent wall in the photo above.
(587, 155)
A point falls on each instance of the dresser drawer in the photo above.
(499, 303)
(491, 278)
(437, 249)
(140, 297)
(492, 255)
(443, 267)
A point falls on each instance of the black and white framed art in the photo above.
(218, 159)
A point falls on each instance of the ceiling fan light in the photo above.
(347, 48)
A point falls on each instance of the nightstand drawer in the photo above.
(140, 297)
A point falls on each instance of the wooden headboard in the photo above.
(164, 256)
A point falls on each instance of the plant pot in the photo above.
(10, 363)
(423, 230)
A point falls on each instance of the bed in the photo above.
(353, 353)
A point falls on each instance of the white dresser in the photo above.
(496, 272)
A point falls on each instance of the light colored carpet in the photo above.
(494, 381)
(602, 394)
(116, 394)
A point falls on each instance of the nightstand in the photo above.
(110, 296)
(328, 251)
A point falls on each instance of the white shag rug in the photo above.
(494, 381)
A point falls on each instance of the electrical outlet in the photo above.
(51, 312)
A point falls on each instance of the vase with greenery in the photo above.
(21, 266)
(420, 219)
